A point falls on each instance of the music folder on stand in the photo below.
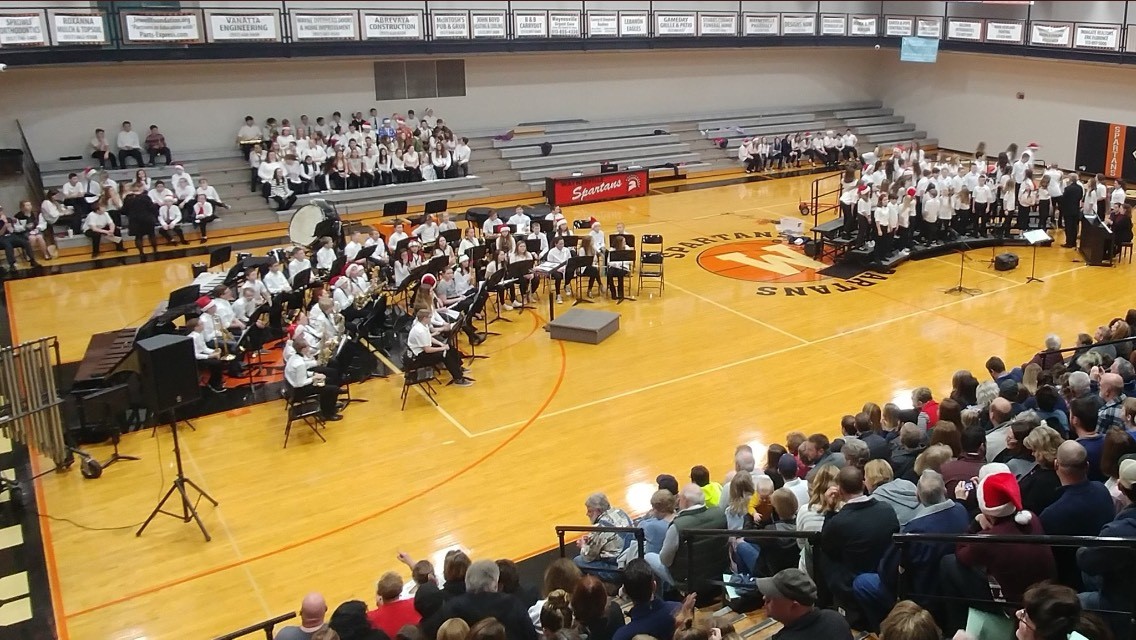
(1035, 237)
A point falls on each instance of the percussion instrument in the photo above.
(314, 220)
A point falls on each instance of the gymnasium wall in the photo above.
(966, 98)
(200, 105)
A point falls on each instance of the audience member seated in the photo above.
(910, 446)
(597, 617)
(599, 551)
(936, 514)
(974, 566)
(710, 556)
(790, 598)
(349, 622)
(897, 493)
(560, 575)
(817, 454)
(711, 490)
(787, 468)
(854, 539)
(649, 616)
(101, 150)
(878, 446)
(1040, 483)
(1082, 508)
(1047, 403)
(480, 601)
(156, 146)
(1118, 445)
(909, 621)
(1083, 420)
(654, 525)
(454, 567)
(129, 146)
(928, 409)
(1000, 413)
(313, 610)
(1112, 569)
(1111, 413)
(812, 514)
(391, 611)
(778, 553)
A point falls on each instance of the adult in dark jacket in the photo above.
(969, 572)
(1039, 485)
(481, 600)
(937, 514)
(141, 218)
(1071, 209)
(854, 539)
(1082, 508)
(349, 621)
(910, 446)
(1114, 567)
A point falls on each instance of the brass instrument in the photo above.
(226, 336)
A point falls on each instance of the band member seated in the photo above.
(217, 336)
(299, 263)
(528, 282)
(443, 248)
(323, 319)
(169, 221)
(255, 334)
(442, 317)
(560, 255)
(429, 351)
(501, 263)
(353, 246)
(617, 270)
(207, 357)
(591, 271)
(520, 221)
(343, 298)
(305, 383)
(98, 226)
(203, 215)
(325, 256)
(396, 236)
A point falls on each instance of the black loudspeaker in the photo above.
(1006, 262)
(811, 248)
(169, 372)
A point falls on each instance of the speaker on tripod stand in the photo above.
(169, 382)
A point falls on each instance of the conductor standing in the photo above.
(1071, 199)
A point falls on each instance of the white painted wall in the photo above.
(966, 98)
(200, 105)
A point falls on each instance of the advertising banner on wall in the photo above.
(392, 26)
(605, 186)
(162, 27)
(230, 27)
(22, 29)
(450, 25)
(563, 24)
(78, 28)
(331, 25)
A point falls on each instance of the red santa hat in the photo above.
(999, 495)
(204, 301)
(862, 188)
(911, 191)
(429, 280)
(338, 281)
(1033, 145)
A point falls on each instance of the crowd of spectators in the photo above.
(366, 151)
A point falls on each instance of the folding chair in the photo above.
(414, 373)
(651, 261)
(306, 410)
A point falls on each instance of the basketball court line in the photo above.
(740, 314)
(755, 358)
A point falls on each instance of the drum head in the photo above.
(302, 228)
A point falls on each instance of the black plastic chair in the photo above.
(414, 373)
(306, 410)
(651, 262)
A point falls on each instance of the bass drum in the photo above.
(302, 228)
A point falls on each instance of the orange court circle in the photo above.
(761, 261)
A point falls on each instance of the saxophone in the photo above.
(226, 336)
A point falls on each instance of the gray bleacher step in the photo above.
(511, 153)
(160, 172)
(612, 155)
(756, 121)
(367, 205)
(884, 128)
(480, 166)
(844, 114)
(901, 136)
(643, 161)
(434, 188)
(735, 137)
(574, 136)
(871, 120)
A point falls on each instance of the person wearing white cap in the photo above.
(969, 572)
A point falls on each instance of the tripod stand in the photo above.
(1035, 237)
(958, 288)
(188, 507)
(116, 456)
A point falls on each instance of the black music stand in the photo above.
(477, 253)
(959, 288)
(183, 297)
(518, 271)
(365, 253)
(493, 283)
(436, 206)
(452, 236)
(627, 237)
(1035, 237)
(219, 256)
(180, 482)
(396, 208)
(623, 255)
(574, 268)
(337, 266)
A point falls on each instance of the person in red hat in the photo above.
(985, 571)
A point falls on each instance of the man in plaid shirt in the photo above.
(599, 550)
(1111, 415)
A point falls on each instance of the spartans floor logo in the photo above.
(762, 257)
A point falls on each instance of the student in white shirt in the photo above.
(983, 198)
(102, 152)
(411, 165)
(560, 255)
(881, 218)
(214, 198)
(160, 193)
(441, 160)
(298, 263)
(468, 242)
(520, 221)
(849, 141)
(129, 146)
(169, 221)
(446, 224)
(1044, 201)
(265, 171)
(1027, 199)
(930, 215)
(396, 236)
(354, 246)
(53, 211)
(462, 154)
(599, 242)
(905, 218)
(98, 227)
(428, 350)
(747, 156)
(1009, 205)
(303, 383)
(74, 194)
(325, 256)
(617, 270)
(489, 227)
(280, 191)
(864, 226)
(848, 196)
(202, 215)
(249, 135)
(428, 231)
(207, 357)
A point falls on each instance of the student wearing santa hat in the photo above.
(985, 571)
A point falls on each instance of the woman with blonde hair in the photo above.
(738, 515)
(933, 458)
(1029, 377)
(1040, 484)
(810, 517)
(561, 575)
(897, 493)
(453, 629)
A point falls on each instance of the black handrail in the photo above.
(266, 626)
(687, 536)
(640, 537)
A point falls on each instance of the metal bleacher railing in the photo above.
(902, 541)
(267, 626)
(384, 26)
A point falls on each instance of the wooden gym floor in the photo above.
(746, 344)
